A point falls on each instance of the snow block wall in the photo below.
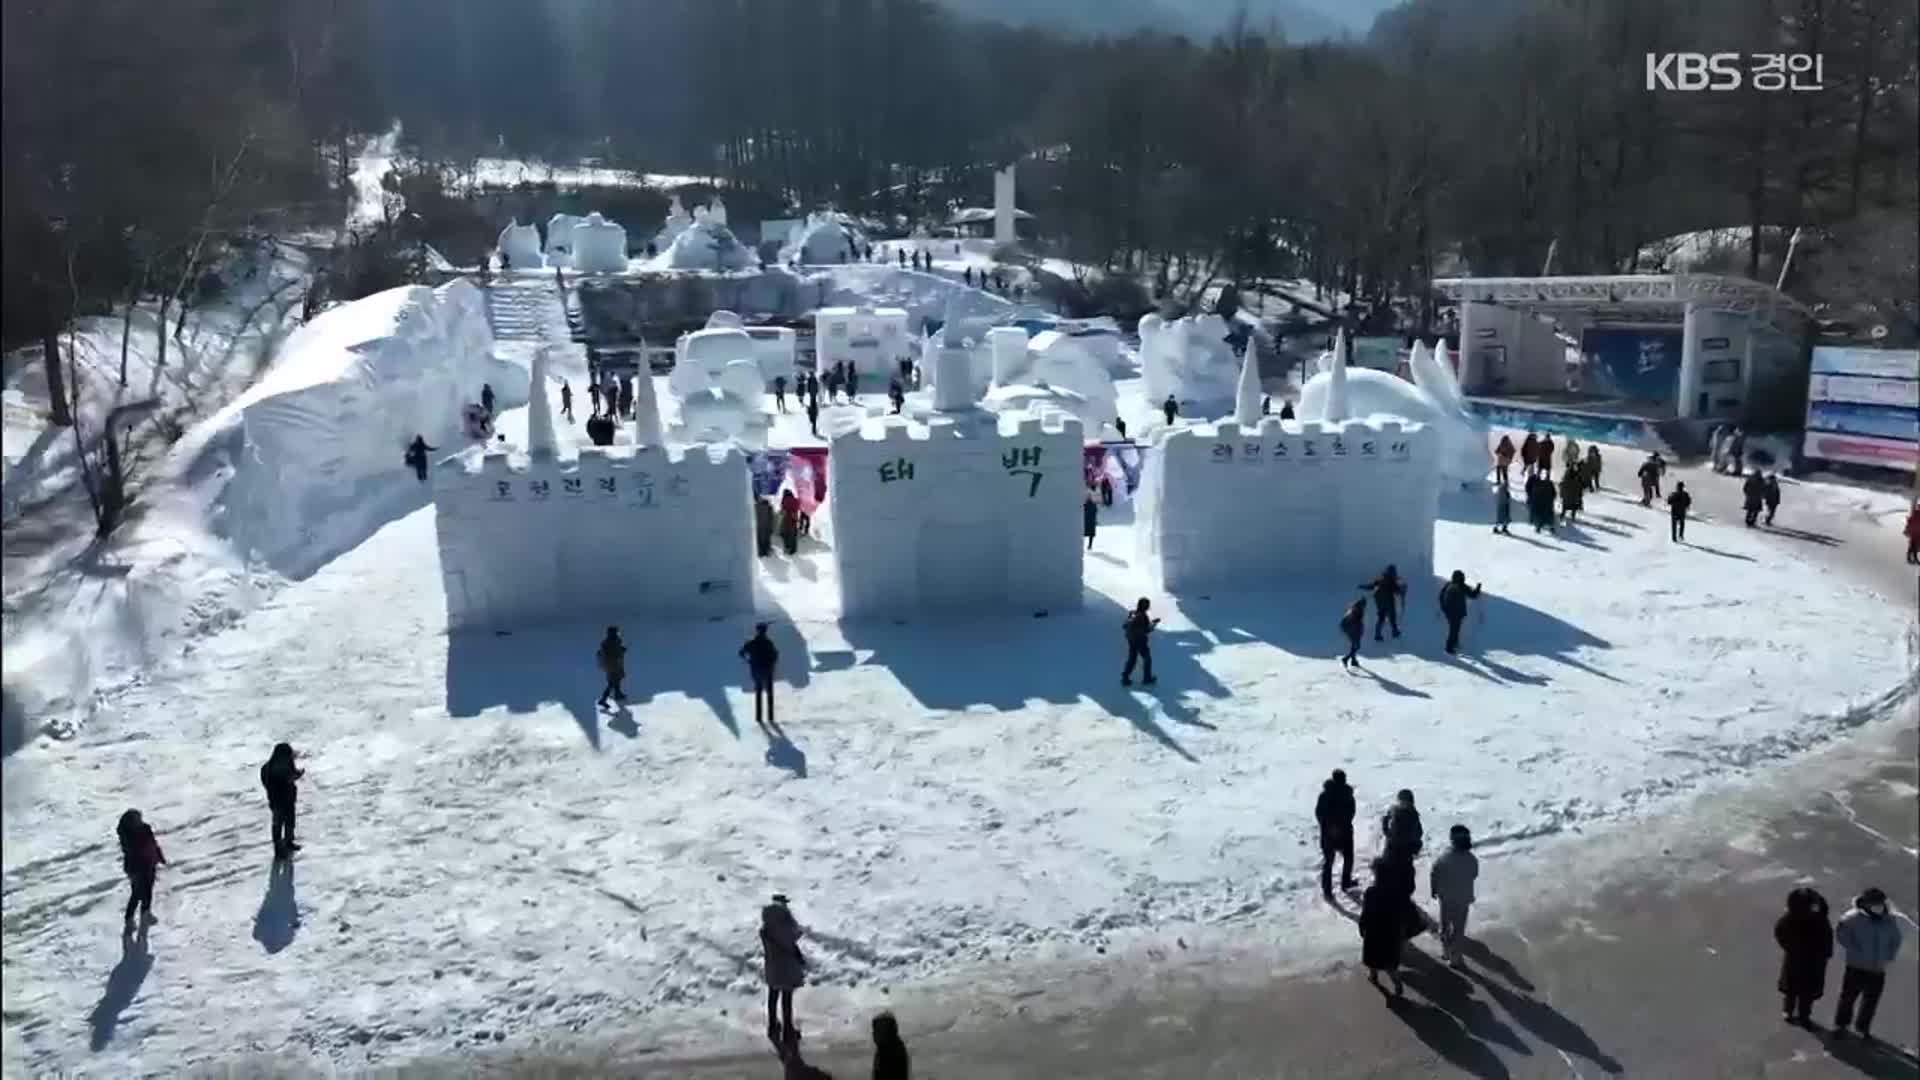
(873, 340)
(1285, 501)
(614, 532)
(966, 513)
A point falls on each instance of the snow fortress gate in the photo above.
(967, 513)
(1281, 500)
(616, 531)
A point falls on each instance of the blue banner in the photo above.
(1879, 421)
(1639, 365)
(1585, 427)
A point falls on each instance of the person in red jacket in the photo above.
(789, 520)
(142, 858)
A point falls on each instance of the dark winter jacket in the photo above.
(140, 853)
(890, 1060)
(1503, 453)
(1502, 505)
(278, 776)
(785, 967)
(763, 519)
(1387, 589)
(1354, 622)
(1383, 926)
(1806, 944)
(1089, 517)
(1772, 493)
(1649, 471)
(1334, 811)
(1454, 597)
(1529, 450)
(1572, 489)
(1755, 490)
(1402, 828)
(1544, 452)
(1137, 627)
(761, 654)
(612, 657)
(1678, 503)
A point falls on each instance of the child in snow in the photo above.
(141, 858)
(1136, 629)
(785, 967)
(566, 400)
(1649, 481)
(1453, 605)
(780, 393)
(1333, 811)
(612, 658)
(763, 522)
(1353, 624)
(486, 397)
(1170, 408)
(1388, 590)
(1089, 517)
(1593, 466)
(1754, 493)
(1451, 883)
(789, 520)
(1529, 453)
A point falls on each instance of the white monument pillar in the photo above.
(953, 377)
(646, 409)
(1008, 344)
(1246, 396)
(1003, 206)
(1337, 381)
(541, 442)
(1687, 394)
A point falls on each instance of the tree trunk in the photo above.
(59, 409)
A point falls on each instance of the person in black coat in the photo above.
(1678, 504)
(763, 522)
(761, 656)
(1334, 811)
(1120, 426)
(1286, 410)
(1089, 517)
(1649, 481)
(1453, 605)
(780, 393)
(566, 400)
(486, 397)
(1171, 408)
(279, 776)
(890, 1060)
(1755, 491)
(141, 858)
(1353, 625)
(1387, 589)
(1136, 628)
(1383, 927)
(1503, 510)
(1772, 496)
(1805, 937)
(416, 456)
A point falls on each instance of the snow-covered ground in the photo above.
(490, 859)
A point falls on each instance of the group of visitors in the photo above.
(1389, 592)
(784, 967)
(790, 521)
(1869, 939)
(1581, 474)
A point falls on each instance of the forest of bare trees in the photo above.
(1459, 136)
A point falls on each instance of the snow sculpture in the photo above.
(647, 430)
(541, 443)
(1246, 396)
(599, 246)
(1336, 406)
(705, 243)
(1433, 400)
(529, 540)
(968, 512)
(1188, 358)
(778, 348)
(678, 221)
(560, 239)
(716, 377)
(1310, 501)
(1053, 360)
(717, 212)
(1009, 347)
(520, 246)
(822, 239)
(952, 369)
(873, 340)
(725, 320)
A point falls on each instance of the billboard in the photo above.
(1636, 364)
(1863, 407)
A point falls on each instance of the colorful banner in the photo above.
(1862, 450)
(1863, 406)
(1865, 390)
(1885, 363)
(1878, 421)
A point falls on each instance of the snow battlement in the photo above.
(1229, 503)
(968, 512)
(614, 530)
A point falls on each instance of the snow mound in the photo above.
(323, 433)
(1436, 402)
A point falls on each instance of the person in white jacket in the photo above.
(1452, 878)
(1870, 938)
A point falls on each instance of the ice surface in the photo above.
(613, 532)
(1286, 501)
(1461, 438)
(521, 245)
(599, 246)
(968, 513)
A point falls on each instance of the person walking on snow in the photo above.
(566, 400)
(593, 397)
(1502, 509)
(1400, 826)
(1529, 453)
(1805, 937)
(1677, 506)
(1543, 459)
(1502, 459)
(1570, 457)
(896, 395)
(1138, 625)
(416, 457)
(280, 776)
(1383, 927)
(1649, 481)
(853, 385)
(890, 1060)
(141, 858)
(1754, 491)
(1334, 811)
(1737, 451)
(1451, 883)
(1171, 408)
(626, 399)
(780, 393)
(785, 968)
(761, 656)
(1870, 939)
(763, 522)
(789, 520)
(1354, 625)
(1089, 517)
(612, 658)
(1453, 604)
(486, 397)
(1913, 535)
(1387, 589)
(1572, 493)
(1771, 496)
(1593, 466)
(813, 415)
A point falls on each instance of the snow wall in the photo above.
(1221, 505)
(326, 428)
(1460, 438)
(614, 532)
(967, 513)
(873, 340)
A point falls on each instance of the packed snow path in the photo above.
(490, 858)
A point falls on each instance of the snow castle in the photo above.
(614, 531)
(1262, 498)
(969, 512)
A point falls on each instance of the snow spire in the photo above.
(1337, 382)
(646, 411)
(1246, 396)
(541, 443)
(1446, 385)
